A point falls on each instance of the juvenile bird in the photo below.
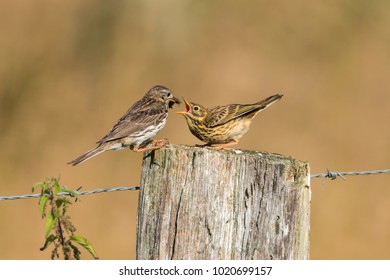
(223, 126)
(135, 129)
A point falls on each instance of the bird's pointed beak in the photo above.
(187, 108)
(173, 101)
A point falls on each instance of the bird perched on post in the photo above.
(135, 129)
(223, 126)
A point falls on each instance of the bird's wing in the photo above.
(141, 115)
(222, 114)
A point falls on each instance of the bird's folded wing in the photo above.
(135, 122)
(222, 114)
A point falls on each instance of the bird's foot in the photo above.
(218, 147)
(153, 146)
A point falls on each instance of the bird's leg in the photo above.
(218, 147)
(157, 144)
(202, 145)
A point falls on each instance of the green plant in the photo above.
(59, 229)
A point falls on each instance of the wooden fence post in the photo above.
(197, 203)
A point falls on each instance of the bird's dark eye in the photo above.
(196, 108)
(167, 93)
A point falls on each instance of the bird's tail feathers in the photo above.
(269, 101)
(87, 155)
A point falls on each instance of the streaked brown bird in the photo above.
(223, 126)
(136, 128)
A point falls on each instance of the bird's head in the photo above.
(193, 111)
(164, 94)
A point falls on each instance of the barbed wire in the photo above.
(334, 174)
(329, 174)
(106, 190)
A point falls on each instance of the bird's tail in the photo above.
(269, 101)
(87, 155)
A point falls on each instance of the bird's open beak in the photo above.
(173, 101)
(187, 109)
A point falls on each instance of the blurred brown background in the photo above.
(70, 69)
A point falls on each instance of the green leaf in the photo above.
(56, 186)
(37, 185)
(42, 205)
(51, 221)
(76, 251)
(62, 200)
(48, 241)
(85, 243)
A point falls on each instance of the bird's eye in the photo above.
(196, 108)
(167, 93)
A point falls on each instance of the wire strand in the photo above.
(334, 174)
(106, 190)
(329, 174)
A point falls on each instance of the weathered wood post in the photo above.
(196, 203)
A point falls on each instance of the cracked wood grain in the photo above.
(196, 203)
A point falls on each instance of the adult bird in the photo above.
(135, 129)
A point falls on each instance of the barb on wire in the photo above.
(26, 196)
(334, 174)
